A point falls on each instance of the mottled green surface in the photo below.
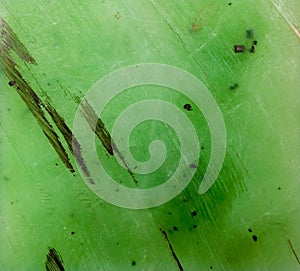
(75, 44)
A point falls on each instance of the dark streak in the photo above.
(103, 134)
(54, 261)
(171, 249)
(9, 41)
(98, 126)
(293, 251)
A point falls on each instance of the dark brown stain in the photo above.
(54, 261)
(70, 139)
(164, 234)
(10, 42)
(239, 48)
(103, 134)
(100, 130)
(293, 251)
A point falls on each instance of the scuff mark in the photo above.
(54, 261)
(163, 232)
(286, 16)
(293, 251)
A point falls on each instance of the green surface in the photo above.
(77, 43)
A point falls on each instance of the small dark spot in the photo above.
(11, 83)
(254, 237)
(188, 107)
(175, 228)
(193, 166)
(48, 84)
(255, 42)
(118, 243)
(202, 148)
(185, 200)
(249, 230)
(252, 49)
(249, 33)
(56, 164)
(194, 213)
(234, 86)
(12, 202)
(211, 267)
(133, 263)
(279, 188)
(196, 26)
(239, 48)
(229, 4)
(169, 213)
(195, 226)
(118, 15)
(72, 232)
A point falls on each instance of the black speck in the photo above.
(169, 213)
(56, 164)
(11, 83)
(188, 107)
(211, 267)
(249, 230)
(255, 42)
(118, 243)
(279, 188)
(229, 4)
(252, 49)
(254, 237)
(133, 263)
(249, 33)
(239, 48)
(202, 148)
(194, 213)
(72, 232)
(234, 86)
(195, 226)
(175, 228)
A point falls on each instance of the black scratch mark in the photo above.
(293, 251)
(171, 249)
(54, 261)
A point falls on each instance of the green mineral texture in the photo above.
(56, 210)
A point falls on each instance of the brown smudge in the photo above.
(164, 234)
(293, 251)
(54, 261)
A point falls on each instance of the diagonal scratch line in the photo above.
(287, 18)
(163, 232)
(293, 251)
